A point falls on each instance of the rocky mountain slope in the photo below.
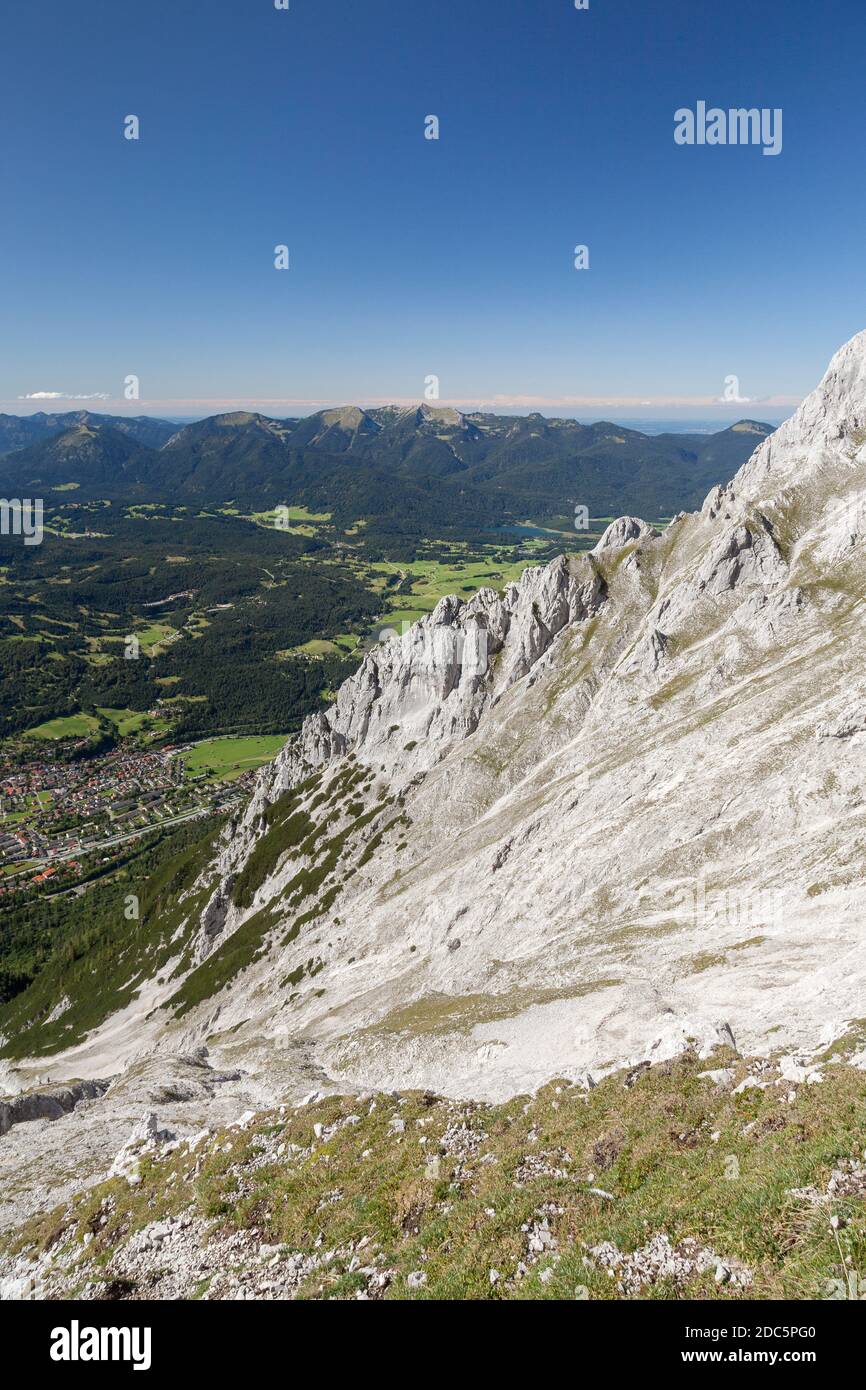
(610, 814)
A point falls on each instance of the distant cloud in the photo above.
(65, 396)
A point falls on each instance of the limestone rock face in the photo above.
(846, 725)
(47, 1103)
(420, 693)
(213, 920)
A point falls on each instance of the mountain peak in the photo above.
(237, 419)
(350, 417)
(750, 427)
(837, 406)
(442, 415)
(821, 446)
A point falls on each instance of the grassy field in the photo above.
(291, 514)
(317, 647)
(422, 583)
(395, 617)
(224, 759)
(431, 580)
(126, 721)
(72, 726)
(153, 638)
(108, 647)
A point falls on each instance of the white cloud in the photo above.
(65, 396)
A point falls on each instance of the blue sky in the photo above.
(412, 257)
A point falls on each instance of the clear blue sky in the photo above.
(412, 257)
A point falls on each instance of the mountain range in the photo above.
(422, 463)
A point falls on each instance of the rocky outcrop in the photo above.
(624, 531)
(846, 725)
(145, 1141)
(213, 920)
(47, 1103)
(419, 694)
